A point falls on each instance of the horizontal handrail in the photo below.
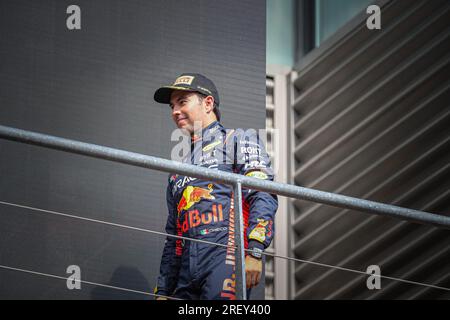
(155, 163)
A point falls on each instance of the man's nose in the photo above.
(175, 111)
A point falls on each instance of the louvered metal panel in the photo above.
(372, 120)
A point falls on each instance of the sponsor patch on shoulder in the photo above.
(259, 232)
(257, 175)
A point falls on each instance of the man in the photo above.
(204, 210)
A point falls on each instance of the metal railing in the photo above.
(235, 180)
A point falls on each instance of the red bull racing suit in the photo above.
(203, 210)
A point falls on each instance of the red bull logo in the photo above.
(194, 218)
(192, 195)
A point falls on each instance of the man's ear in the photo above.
(209, 103)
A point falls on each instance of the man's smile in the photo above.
(181, 119)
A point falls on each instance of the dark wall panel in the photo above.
(96, 85)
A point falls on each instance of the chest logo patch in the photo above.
(192, 195)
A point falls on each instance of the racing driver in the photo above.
(204, 210)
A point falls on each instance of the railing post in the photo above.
(241, 292)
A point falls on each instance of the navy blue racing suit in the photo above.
(204, 210)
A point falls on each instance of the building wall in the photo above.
(330, 15)
(290, 23)
(281, 32)
(372, 120)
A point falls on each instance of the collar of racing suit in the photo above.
(206, 130)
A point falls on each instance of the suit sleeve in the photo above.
(253, 161)
(171, 257)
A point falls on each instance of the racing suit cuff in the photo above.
(161, 292)
(255, 244)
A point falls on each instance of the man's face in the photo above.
(187, 108)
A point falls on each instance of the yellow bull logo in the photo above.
(192, 195)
